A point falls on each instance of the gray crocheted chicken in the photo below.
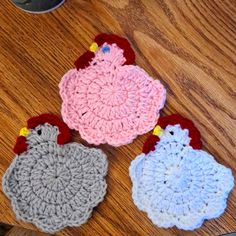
(53, 183)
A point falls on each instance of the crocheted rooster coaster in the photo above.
(53, 183)
(175, 182)
(107, 99)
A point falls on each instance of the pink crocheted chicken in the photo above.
(106, 98)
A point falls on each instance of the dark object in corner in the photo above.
(4, 229)
(38, 6)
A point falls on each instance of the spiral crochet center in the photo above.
(56, 177)
(178, 177)
(113, 95)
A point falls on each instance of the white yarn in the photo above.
(177, 185)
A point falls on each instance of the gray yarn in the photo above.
(54, 186)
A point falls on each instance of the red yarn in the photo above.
(84, 60)
(63, 137)
(101, 38)
(174, 119)
(150, 143)
(21, 145)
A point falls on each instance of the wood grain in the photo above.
(18, 231)
(188, 44)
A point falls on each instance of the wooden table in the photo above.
(188, 44)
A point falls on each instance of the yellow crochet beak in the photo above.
(93, 47)
(24, 132)
(158, 131)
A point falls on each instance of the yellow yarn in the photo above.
(157, 131)
(93, 47)
(24, 132)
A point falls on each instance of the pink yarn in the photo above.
(109, 102)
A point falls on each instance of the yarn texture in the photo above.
(110, 101)
(55, 185)
(177, 185)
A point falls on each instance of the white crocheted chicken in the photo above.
(52, 182)
(176, 183)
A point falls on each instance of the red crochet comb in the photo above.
(84, 60)
(174, 119)
(63, 137)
